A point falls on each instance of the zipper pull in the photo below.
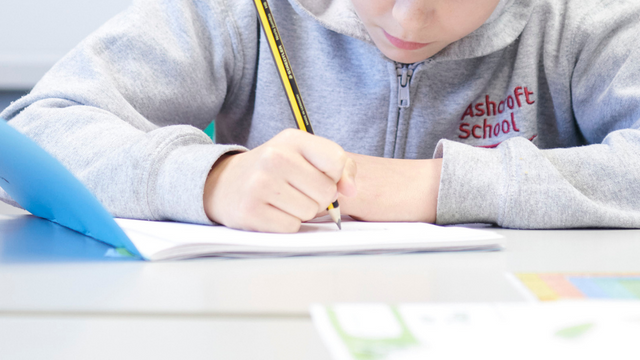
(404, 91)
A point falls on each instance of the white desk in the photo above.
(157, 338)
(257, 309)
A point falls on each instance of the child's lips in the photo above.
(404, 45)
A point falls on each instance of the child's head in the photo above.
(410, 31)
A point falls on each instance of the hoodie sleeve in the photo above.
(124, 111)
(596, 185)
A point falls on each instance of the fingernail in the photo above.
(352, 170)
(352, 179)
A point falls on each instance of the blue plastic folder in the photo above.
(44, 187)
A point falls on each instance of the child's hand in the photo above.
(275, 187)
(394, 190)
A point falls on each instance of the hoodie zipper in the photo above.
(405, 72)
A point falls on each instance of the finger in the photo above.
(266, 218)
(293, 202)
(323, 154)
(311, 182)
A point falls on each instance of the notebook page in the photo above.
(151, 237)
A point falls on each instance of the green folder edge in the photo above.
(45, 188)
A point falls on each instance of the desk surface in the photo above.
(270, 297)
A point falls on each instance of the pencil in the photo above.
(289, 82)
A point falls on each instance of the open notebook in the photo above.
(169, 240)
(41, 185)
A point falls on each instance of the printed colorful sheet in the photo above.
(576, 286)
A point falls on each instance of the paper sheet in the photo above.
(577, 286)
(567, 330)
(186, 240)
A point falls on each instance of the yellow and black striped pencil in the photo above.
(289, 81)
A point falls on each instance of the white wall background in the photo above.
(34, 34)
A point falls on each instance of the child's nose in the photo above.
(413, 14)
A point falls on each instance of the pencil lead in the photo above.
(339, 223)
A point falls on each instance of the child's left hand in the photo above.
(394, 190)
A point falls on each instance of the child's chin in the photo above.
(406, 56)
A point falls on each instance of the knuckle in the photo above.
(309, 212)
(288, 134)
(256, 183)
(269, 153)
(273, 157)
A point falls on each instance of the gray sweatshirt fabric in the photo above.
(536, 114)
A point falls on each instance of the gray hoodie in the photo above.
(536, 113)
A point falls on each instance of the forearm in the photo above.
(155, 175)
(394, 189)
(517, 185)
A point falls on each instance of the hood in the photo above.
(335, 15)
(503, 27)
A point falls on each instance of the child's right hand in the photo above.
(278, 185)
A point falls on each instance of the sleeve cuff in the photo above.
(473, 184)
(178, 192)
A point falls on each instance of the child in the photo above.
(531, 109)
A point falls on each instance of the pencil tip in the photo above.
(339, 223)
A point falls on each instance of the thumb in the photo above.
(347, 184)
